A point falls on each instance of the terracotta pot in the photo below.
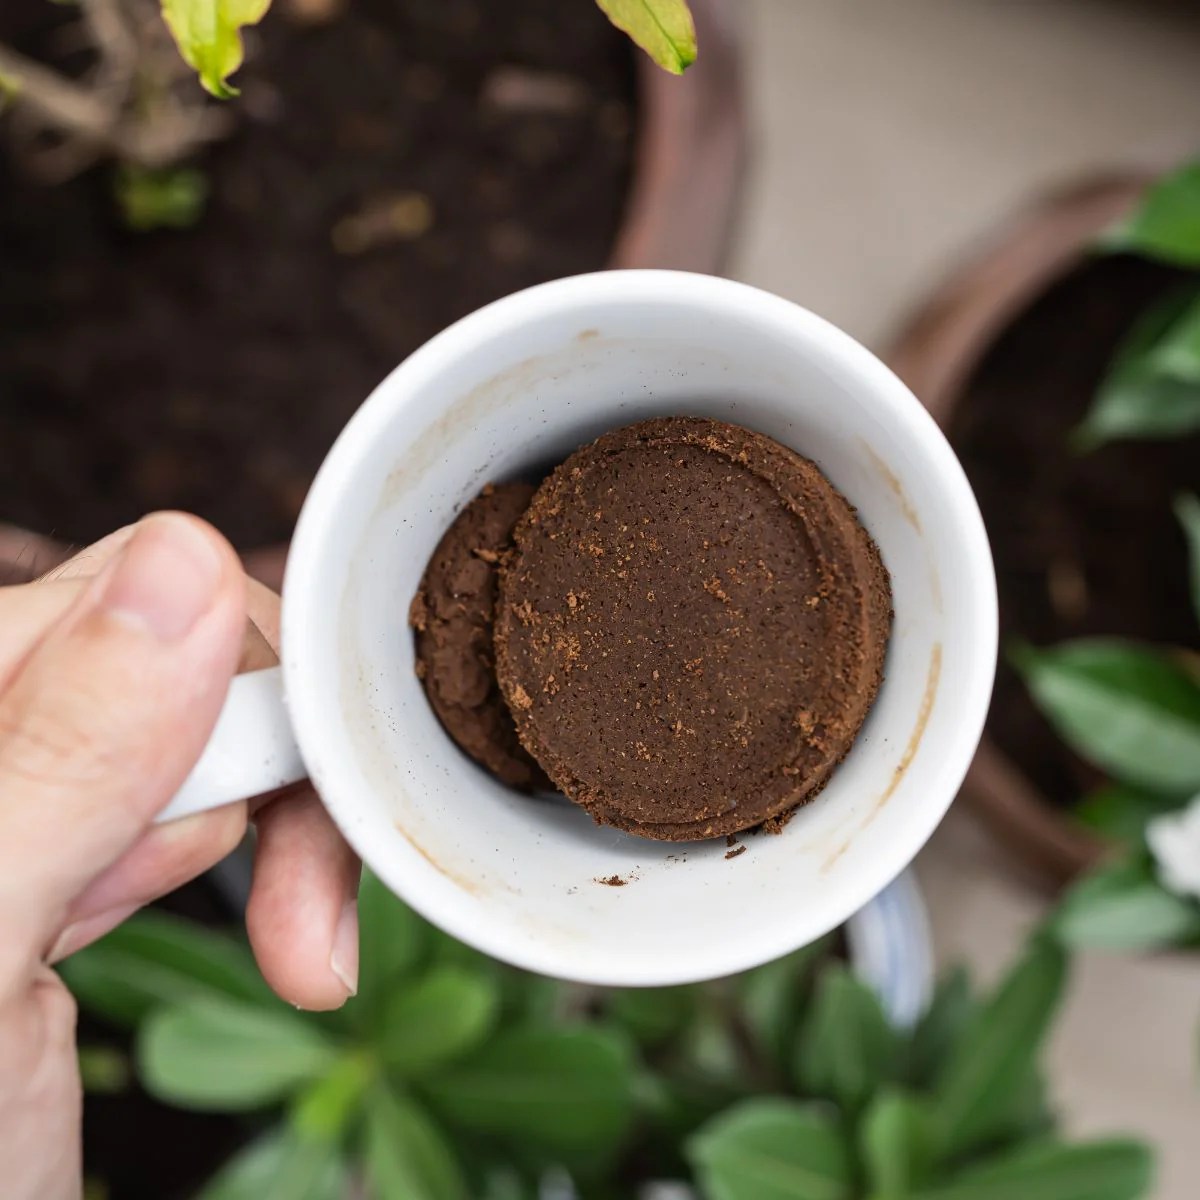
(690, 156)
(688, 161)
(936, 355)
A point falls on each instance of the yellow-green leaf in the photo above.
(663, 28)
(208, 33)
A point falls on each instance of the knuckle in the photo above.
(60, 1009)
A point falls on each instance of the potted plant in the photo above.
(200, 292)
(450, 1076)
(1078, 459)
(1129, 709)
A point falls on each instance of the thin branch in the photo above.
(109, 29)
(99, 119)
(58, 100)
(167, 137)
(116, 44)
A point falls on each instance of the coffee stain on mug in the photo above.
(894, 486)
(932, 679)
(827, 865)
(914, 742)
(471, 886)
(428, 450)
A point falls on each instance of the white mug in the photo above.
(519, 385)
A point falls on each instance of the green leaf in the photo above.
(675, 1104)
(104, 1070)
(772, 998)
(1027, 1114)
(1187, 509)
(438, 1018)
(155, 959)
(1107, 1170)
(1136, 399)
(992, 1061)
(1119, 812)
(392, 943)
(280, 1166)
(663, 28)
(772, 1150)
(407, 1156)
(846, 1047)
(562, 1090)
(218, 1054)
(1166, 225)
(652, 1015)
(167, 198)
(325, 1110)
(1129, 710)
(504, 1183)
(898, 1143)
(208, 35)
(941, 1026)
(708, 1048)
(1177, 352)
(1124, 907)
(532, 998)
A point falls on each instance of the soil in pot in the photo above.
(392, 170)
(1085, 545)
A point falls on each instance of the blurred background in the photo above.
(893, 145)
(192, 308)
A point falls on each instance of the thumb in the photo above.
(105, 717)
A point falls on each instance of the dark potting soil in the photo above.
(1085, 545)
(392, 171)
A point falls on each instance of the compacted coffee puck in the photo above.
(452, 615)
(690, 628)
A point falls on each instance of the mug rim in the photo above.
(717, 296)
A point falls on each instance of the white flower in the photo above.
(1174, 840)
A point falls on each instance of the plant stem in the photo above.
(58, 100)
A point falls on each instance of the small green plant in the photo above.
(447, 1077)
(451, 1077)
(1132, 710)
(953, 1110)
(208, 33)
(168, 198)
(1152, 388)
(137, 106)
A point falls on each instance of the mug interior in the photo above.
(509, 392)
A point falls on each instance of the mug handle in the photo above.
(252, 749)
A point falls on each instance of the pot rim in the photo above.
(936, 353)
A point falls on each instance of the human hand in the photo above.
(112, 673)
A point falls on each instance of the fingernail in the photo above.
(83, 932)
(166, 578)
(343, 961)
